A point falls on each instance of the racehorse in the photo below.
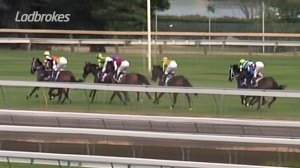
(178, 80)
(37, 65)
(234, 72)
(262, 83)
(130, 78)
(97, 73)
(43, 75)
(134, 79)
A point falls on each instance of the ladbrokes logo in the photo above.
(37, 17)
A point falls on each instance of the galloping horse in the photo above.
(130, 78)
(134, 79)
(263, 83)
(97, 73)
(42, 74)
(178, 80)
(234, 72)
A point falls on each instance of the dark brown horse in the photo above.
(263, 83)
(43, 75)
(130, 78)
(178, 80)
(97, 73)
(234, 73)
(37, 65)
(134, 79)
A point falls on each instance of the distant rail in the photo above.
(105, 161)
(144, 33)
(125, 38)
(125, 42)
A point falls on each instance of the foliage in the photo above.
(288, 10)
(85, 14)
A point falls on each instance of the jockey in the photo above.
(120, 66)
(58, 63)
(100, 60)
(259, 67)
(168, 67)
(249, 67)
(104, 73)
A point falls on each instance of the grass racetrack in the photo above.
(202, 71)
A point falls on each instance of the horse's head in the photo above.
(157, 72)
(35, 65)
(234, 71)
(110, 68)
(88, 68)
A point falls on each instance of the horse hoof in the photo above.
(27, 97)
(37, 96)
(171, 107)
(190, 109)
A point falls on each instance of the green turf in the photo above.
(202, 71)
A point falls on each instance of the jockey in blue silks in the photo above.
(249, 67)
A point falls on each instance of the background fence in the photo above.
(202, 41)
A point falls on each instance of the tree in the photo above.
(125, 15)
(288, 10)
(85, 14)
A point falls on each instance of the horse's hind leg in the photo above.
(149, 96)
(189, 101)
(243, 101)
(252, 101)
(264, 101)
(271, 102)
(31, 93)
(59, 93)
(66, 94)
(119, 95)
(93, 95)
(258, 102)
(126, 96)
(174, 100)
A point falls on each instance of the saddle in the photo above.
(51, 75)
(166, 78)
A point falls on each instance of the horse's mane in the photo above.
(235, 67)
(91, 64)
(158, 66)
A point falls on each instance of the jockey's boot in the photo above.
(243, 82)
(168, 77)
(103, 76)
(163, 79)
(253, 82)
(54, 74)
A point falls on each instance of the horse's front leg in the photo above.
(156, 101)
(31, 93)
(93, 95)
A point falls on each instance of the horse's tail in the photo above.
(187, 83)
(281, 87)
(143, 79)
(73, 79)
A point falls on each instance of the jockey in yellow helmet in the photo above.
(100, 60)
(169, 67)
